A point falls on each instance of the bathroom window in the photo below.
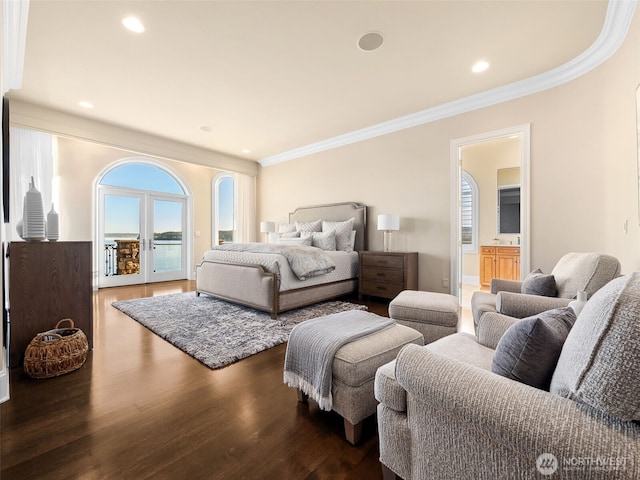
(469, 214)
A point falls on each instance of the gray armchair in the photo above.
(444, 415)
(573, 273)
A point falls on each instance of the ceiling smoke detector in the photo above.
(370, 41)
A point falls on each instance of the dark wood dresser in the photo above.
(386, 274)
(48, 281)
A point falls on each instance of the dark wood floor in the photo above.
(140, 408)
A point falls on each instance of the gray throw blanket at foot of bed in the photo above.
(313, 345)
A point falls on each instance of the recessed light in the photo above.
(480, 66)
(133, 24)
(206, 128)
(246, 150)
(370, 41)
(86, 104)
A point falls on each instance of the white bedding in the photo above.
(346, 266)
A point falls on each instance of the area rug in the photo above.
(218, 333)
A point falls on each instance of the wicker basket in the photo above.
(56, 352)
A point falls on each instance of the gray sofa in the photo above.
(573, 273)
(444, 415)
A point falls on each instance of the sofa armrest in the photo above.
(520, 305)
(387, 390)
(502, 285)
(508, 422)
(491, 327)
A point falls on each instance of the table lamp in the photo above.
(388, 223)
(267, 228)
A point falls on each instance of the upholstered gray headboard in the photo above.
(336, 212)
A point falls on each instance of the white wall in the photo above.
(79, 165)
(584, 172)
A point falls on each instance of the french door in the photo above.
(141, 237)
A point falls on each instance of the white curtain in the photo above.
(245, 200)
(33, 154)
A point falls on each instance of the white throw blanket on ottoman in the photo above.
(313, 345)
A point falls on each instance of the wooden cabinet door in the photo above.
(487, 265)
(508, 263)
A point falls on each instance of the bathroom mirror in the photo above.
(508, 207)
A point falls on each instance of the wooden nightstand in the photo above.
(386, 274)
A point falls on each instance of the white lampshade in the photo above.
(267, 227)
(388, 222)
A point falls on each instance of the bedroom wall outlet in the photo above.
(197, 233)
(445, 282)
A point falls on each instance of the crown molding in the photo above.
(615, 28)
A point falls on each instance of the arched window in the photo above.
(143, 211)
(224, 228)
(469, 214)
(142, 176)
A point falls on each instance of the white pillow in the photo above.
(275, 237)
(309, 226)
(286, 227)
(343, 233)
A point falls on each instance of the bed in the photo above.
(264, 281)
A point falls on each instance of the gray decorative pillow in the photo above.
(537, 283)
(309, 226)
(343, 233)
(295, 241)
(529, 350)
(323, 240)
(600, 360)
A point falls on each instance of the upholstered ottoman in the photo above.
(435, 315)
(354, 364)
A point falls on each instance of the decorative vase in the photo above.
(33, 222)
(53, 232)
(579, 303)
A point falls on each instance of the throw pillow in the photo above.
(323, 240)
(286, 227)
(537, 283)
(295, 241)
(309, 226)
(274, 237)
(343, 233)
(600, 360)
(529, 350)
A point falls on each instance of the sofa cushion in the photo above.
(538, 283)
(578, 272)
(600, 360)
(529, 350)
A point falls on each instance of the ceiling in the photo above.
(272, 76)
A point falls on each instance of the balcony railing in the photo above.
(166, 258)
(110, 259)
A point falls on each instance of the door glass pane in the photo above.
(142, 176)
(167, 236)
(121, 235)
